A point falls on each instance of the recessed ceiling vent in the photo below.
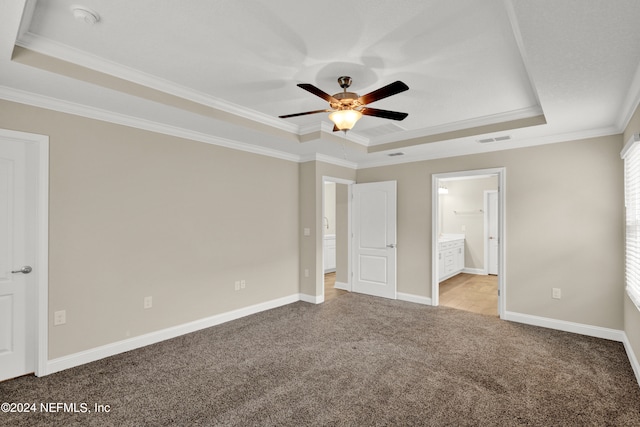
(496, 139)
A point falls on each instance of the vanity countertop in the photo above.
(450, 237)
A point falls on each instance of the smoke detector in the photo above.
(85, 15)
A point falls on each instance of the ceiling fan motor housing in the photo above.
(346, 100)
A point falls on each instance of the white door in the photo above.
(494, 235)
(14, 352)
(374, 238)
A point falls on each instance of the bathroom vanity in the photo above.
(450, 255)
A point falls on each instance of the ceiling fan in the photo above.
(347, 107)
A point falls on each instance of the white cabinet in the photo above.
(450, 257)
(329, 252)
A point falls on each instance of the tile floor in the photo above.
(471, 292)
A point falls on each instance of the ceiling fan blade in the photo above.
(304, 114)
(318, 92)
(383, 92)
(385, 114)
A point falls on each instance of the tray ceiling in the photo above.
(538, 71)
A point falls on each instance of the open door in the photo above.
(374, 238)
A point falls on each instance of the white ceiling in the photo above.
(468, 64)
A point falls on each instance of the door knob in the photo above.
(392, 245)
(24, 270)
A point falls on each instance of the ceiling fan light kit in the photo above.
(345, 119)
(347, 107)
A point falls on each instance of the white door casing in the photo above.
(374, 238)
(15, 348)
(493, 231)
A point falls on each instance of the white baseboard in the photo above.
(91, 355)
(632, 357)
(313, 299)
(413, 298)
(563, 325)
(343, 286)
(479, 271)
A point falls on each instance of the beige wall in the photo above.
(135, 214)
(564, 206)
(311, 175)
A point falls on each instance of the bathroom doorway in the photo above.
(467, 212)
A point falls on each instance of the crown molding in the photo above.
(63, 52)
(631, 102)
(36, 100)
(41, 101)
(488, 148)
(328, 159)
(492, 119)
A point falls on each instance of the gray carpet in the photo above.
(354, 361)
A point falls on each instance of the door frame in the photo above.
(37, 149)
(435, 218)
(487, 226)
(348, 183)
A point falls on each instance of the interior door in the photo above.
(13, 278)
(374, 238)
(494, 235)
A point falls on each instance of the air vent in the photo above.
(502, 138)
(395, 154)
(496, 139)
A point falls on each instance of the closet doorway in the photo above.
(468, 230)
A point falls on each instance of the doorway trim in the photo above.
(435, 218)
(37, 149)
(487, 226)
(348, 183)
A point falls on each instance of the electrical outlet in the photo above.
(59, 317)
(237, 285)
(306, 272)
(243, 284)
(556, 293)
(148, 302)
